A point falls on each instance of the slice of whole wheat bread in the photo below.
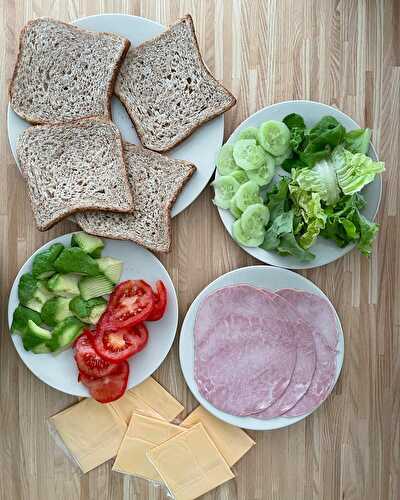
(156, 182)
(72, 167)
(167, 90)
(64, 73)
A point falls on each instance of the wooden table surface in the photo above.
(346, 54)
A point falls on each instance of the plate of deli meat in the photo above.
(261, 347)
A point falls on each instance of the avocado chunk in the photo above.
(35, 335)
(96, 286)
(88, 243)
(65, 333)
(40, 349)
(21, 317)
(88, 311)
(56, 310)
(111, 268)
(75, 260)
(43, 263)
(32, 293)
(64, 285)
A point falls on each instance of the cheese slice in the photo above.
(231, 441)
(130, 403)
(92, 432)
(190, 464)
(143, 434)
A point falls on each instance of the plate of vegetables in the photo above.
(92, 317)
(298, 185)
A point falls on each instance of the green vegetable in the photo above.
(21, 317)
(83, 309)
(248, 133)
(282, 224)
(277, 199)
(368, 232)
(264, 174)
(290, 163)
(274, 137)
(111, 268)
(297, 127)
(294, 121)
(75, 260)
(40, 349)
(240, 176)
(354, 171)
(96, 254)
(327, 131)
(65, 333)
(279, 160)
(35, 335)
(234, 209)
(357, 141)
(225, 162)
(64, 285)
(27, 287)
(55, 310)
(248, 154)
(96, 286)
(321, 179)
(244, 239)
(288, 246)
(247, 194)
(224, 187)
(254, 219)
(43, 263)
(87, 242)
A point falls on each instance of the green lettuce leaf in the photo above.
(368, 231)
(288, 246)
(357, 141)
(294, 121)
(278, 199)
(282, 224)
(321, 179)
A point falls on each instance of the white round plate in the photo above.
(60, 371)
(263, 277)
(200, 148)
(325, 251)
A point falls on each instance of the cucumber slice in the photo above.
(234, 210)
(247, 194)
(263, 175)
(281, 158)
(40, 349)
(225, 187)
(111, 268)
(249, 133)
(248, 155)
(86, 242)
(254, 220)
(95, 286)
(244, 239)
(64, 285)
(274, 137)
(225, 162)
(240, 175)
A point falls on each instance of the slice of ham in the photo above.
(316, 311)
(325, 370)
(245, 351)
(305, 364)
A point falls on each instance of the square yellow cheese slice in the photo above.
(231, 441)
(190, 464)
(91, 431)
(143, 434)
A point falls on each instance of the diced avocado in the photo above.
(35, 335)
(96, 312)
(55, 310)
(65, 333)
(111, 268)
(83, 309)
(20, 319)
(64, 285)
(95, 286)
(40, 349)
(27, 287)
(34, 304)
(96, 254)
(43, 263)
(75, 260)
(87, 242)
(43, 294)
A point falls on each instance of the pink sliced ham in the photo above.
(245, 350)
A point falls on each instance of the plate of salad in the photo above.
(92, 317)
(298, 185)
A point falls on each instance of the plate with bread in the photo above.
(115, 122)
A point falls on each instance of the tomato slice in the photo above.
(130, 304)
(110, 387)
(115, 346)
(160, 302)
(87, 359)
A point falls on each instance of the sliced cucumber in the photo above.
(263, 175)
(248, 155)
(274, 137)
(244, 239)
(281, 158)
(111, 268)
(234, 209)
(87, 242)
(247, 194)
(225, 162)
(225, 187)
(254, 219)
(95, 286)
(64, 285)
(65, 333)
(240, 175)
(249, 133)
(56, 310)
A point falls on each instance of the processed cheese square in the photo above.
(143, 434)
(92, 432)
(132, 403)
(190, 464)
(231, 441)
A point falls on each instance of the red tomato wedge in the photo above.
(115, 346)
(87, 359)
(160, 302)
(130, 304)
(110, 387)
